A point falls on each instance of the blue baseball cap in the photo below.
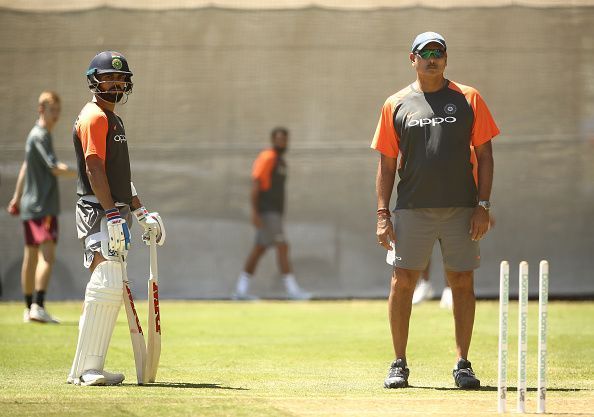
(425, 38)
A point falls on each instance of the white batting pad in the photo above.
(103, 298)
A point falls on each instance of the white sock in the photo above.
(243, 283)
(291, 283)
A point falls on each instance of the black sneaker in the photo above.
(397, 375)
(464, 375)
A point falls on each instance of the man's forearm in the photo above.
(61, 169)
(254, 194)
(100, 186)
(20, 184)
(384, 181)
(485, 174)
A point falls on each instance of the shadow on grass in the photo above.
(69, 323)
(188, 385)
(490, 388)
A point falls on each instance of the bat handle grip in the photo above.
(153, 255)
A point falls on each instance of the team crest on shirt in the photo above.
(450, 108)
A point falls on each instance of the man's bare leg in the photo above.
(253, 258)
(245, 277)
(423, 289)
(400, 306)
(28, 268)
(284, 265)
(462, 285)
(43, 271)
(294, 291)
(45, 264)
(28, 278)
(464, 303)
(425, 273)
(399, 309)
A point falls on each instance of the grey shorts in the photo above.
(91, 225)
(416, 232)
(271, 231)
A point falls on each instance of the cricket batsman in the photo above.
(107, 200)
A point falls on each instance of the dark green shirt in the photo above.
(40, 196)
(432, 135)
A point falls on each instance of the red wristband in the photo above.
(384, 212)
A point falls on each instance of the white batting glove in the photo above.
(151, 223)
(117, 229)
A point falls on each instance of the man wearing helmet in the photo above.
(107, 200)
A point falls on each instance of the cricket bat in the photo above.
(153, 347)
(136, 335)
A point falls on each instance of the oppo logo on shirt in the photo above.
(119, 138)
(433, 122)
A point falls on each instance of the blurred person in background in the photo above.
(424, 290)
(36, 199)
(268, 202)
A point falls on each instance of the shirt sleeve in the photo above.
(44, 149)
(92, 131)
(484, 128)
(385, 139)
(262, 169)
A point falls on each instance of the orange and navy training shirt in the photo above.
(270, 170)
(433, 135)
(101, 132)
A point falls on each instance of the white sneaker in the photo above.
(446, 298)
(113, 379)
(299, 294)
(424, 291)
(27, 316)
(294, 291)
(242, 288)
(39, 314)
(93, 377)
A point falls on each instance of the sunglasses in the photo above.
(429, 53)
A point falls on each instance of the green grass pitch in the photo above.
(292, 359)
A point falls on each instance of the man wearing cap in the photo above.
(437, 134)
(107, 200)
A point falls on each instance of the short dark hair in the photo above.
(277, 130)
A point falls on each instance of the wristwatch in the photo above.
(485, 204)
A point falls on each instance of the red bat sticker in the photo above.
(156, 306)
(133, 309)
